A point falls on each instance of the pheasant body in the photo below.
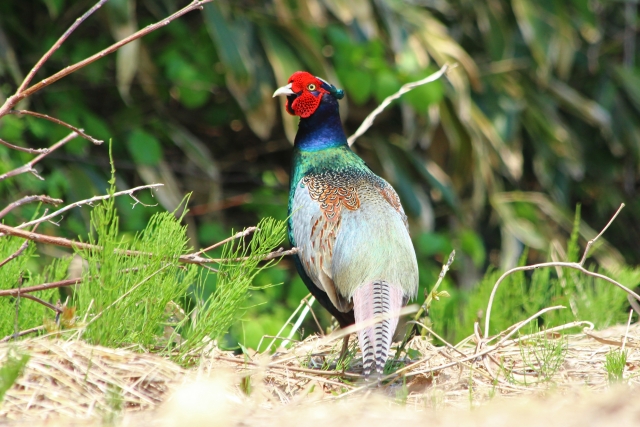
(354, 250)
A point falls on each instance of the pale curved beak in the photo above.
(284, 90)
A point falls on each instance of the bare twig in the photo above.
(29, 199)
(24, 149)
(315, 318)
(238, 235)
(634, 304)
(44, 286)
(41, 287)
(29, 166)
(626, 332)
(24, 92)
(40, 301)
(284, 326)
(22, 333)
(592, 241)
(574, 265)
(80, 132)
(16, 254)
(296, 325)
(487, 350)
(186, 259)
(366, 124)
(57, 45)
(275, 254)
(86, 202)
(588, 326)
(276, 365)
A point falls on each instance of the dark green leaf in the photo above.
(145, 149)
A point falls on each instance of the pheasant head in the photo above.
(304, 93)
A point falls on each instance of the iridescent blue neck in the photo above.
(322, 129)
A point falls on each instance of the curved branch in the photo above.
(29, 199)
(24, 149)
(368, 121)
(574, 265)
(58, 122)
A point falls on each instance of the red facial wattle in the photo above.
(305, 104)
(308, 93)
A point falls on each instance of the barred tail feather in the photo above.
(369, 301)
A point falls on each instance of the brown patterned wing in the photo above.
(333, 193)
(315, 236)
(390, 195)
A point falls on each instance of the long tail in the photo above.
(369, 301)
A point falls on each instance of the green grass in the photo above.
(523, 293)
(542, 356)
(615, 362)
(142, 301)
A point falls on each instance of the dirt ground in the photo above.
(72, 383)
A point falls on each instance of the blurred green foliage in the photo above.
(541, 113)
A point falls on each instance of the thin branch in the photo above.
(29, 166)
(284, 326)
(57, 45)
(298, 323)
(626, 332)
(86, 202)
(186, 259)
(569, 325)
(24, 149)
(58, 122)
(228, 239)
(592, 241)
(275, 254)
(313, 314)
(634, 304)
(41, 287)
(291, 368)
(574, 265)
(22, 333)
(366, 124)
(487, 350)
(22, 93)
(40, 301)
(16, 254)
(29, 199)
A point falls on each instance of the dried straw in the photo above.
(74, 380)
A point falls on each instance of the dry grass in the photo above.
(85, 385)
(77, 380)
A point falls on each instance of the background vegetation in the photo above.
(541, 114)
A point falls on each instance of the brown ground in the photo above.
(73, 383)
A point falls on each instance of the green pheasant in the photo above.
(354, 250)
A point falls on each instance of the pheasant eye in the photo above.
(311, 86)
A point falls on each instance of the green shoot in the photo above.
(542, 356)
(615, 362)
